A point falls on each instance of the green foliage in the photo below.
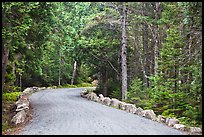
(12, 96)
(10, 88)
(5, 126)
(45, 39)
(114, 88)
(6, 122)
(67, 86)
(116, 94)
(136, 89)
(84, 85)
(75, 86)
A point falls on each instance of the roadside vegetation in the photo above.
(146, 53)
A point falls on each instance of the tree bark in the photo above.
(156, 32)
(145, 47)
(74, 72)
(14, 71)
(138, 51)
(5, 55)
(59, 81)
(124, 54)
(20, 81)
(105, 82)
(156, 36)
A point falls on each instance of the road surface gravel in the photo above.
(64, 112)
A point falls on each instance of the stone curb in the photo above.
(131, 108)
(22, 104)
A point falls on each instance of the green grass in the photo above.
(84, 85)
(75, 86)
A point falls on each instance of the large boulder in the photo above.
(96, 99)
(22, 104)
(172, 121)
(149, 114)
(82, 95)
(180, 127)
(115, 102)
(42, 88)
(167, 120)
(161, 119)
(54, 87)
(107, 101)
(101, 98)
(35, 89)
(93, 96)
(49, 88)
(130, 108)
(19, 117)
(121, 105)
(88, 96)
(194, 130)
(28, 91)
(139, 111)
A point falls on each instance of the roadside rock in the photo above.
(42, 88)
(49, 88)
(96, 99)
(19, 117)
(101, 98)
(115, 102)
(35, 88)
(28, 91)
(130, 108)
(194, 130)
(180, 127)
(121, 105)
(107, 101)
(82, 94)
(22, 104)
(167, 120)
(54, 87)
(149, 114)
(172, 121)
(88, 96)
(161, 119)
(139, 111)
(93, 96)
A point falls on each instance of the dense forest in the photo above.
(146, 53)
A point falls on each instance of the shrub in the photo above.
(67, 86)
(116, 94)
(84, 85)
(12, 96)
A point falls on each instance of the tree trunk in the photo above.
(5, 55)
(124, 54)
(59, 82)
(74, 72)
(156, 32)
(20, 82)
(145, 47)
(105, 82)
(14, 71)
(138, 51)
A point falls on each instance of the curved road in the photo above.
(64, 112)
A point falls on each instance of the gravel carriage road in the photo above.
(64, 112)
